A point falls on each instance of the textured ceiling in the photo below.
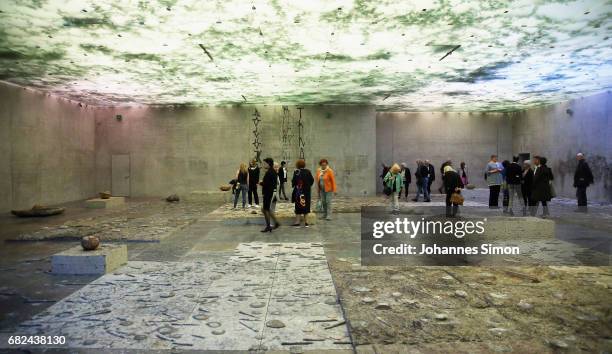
(446, 55)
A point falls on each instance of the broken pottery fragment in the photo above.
(441, 317)
(367, 300)
(460, 293)
(383, 306)
(275, 324)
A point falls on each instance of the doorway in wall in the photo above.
(524, 156)
(120, 180)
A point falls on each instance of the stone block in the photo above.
(77, 261)
(209, 196)
(99, 203)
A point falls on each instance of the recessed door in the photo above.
(120, 183)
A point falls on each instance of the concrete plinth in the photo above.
(209, 196)
(98, 203)
(77, 261)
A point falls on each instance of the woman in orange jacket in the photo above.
(326, 185)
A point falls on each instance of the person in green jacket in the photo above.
(393, 179)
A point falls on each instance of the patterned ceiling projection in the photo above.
(445, 55)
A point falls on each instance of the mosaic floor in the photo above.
(265, 296)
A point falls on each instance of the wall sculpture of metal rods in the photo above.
(256, 142)
(301, 142)
(286, 134)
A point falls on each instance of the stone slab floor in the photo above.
(207, 285)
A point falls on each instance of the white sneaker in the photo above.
(256, 205)
(248, 205)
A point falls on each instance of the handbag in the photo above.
(457, 198)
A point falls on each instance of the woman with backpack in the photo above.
(393, 185)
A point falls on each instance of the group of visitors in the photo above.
(247, 181)
(397, 179)
(425, 175)
(529, 184)
(532, 183)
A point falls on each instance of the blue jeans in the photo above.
(242, 189)
(326, 203)
(423, 189)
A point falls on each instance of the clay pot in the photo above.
(90, 243)
(105, 195)
(225, 188)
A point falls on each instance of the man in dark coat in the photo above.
(540, 187)
(282, 177)
(407, 177)
(253, 183)
(432, 175)
(422, 177)
(514, 178)
(526, 184)
(269, 185)
(583, 177)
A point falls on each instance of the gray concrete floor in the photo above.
(28, 288)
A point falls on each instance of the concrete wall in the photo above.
(559, 134)
(439, 136)
(53, 151)
(184, 149)
(46, 149)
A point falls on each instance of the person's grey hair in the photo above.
(276, 165)
(580, 154)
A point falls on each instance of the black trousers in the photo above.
(253, 195)
(581, 196)
(494, 195)
(406, 186)
(451, 209)
(282, 191)
(506, 198)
